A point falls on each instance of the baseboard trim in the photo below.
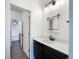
(26, 55)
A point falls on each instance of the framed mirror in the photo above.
(53, 22)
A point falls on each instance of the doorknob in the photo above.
(21, 34)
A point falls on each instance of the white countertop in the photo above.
(59, 45)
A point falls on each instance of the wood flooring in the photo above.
(16, 51)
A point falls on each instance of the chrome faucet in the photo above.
(51, 38)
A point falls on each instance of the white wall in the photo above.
(7, 31)
(63, 9)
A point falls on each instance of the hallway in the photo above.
(16, 51)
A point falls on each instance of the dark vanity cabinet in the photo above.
(38, 50)
(48, 55)
(42, 51)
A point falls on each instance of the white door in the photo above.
(26, 32)
(21, 35)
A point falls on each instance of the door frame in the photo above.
(22, 26)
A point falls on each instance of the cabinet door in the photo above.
(48, 55)
(38, 52)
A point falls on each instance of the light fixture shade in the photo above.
(53, 2)
(15, 22)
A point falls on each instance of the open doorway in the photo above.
(16, 31)
(20, 32)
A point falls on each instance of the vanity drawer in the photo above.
(48, 55)
(58, 54)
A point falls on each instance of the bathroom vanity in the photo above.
(43, 50)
